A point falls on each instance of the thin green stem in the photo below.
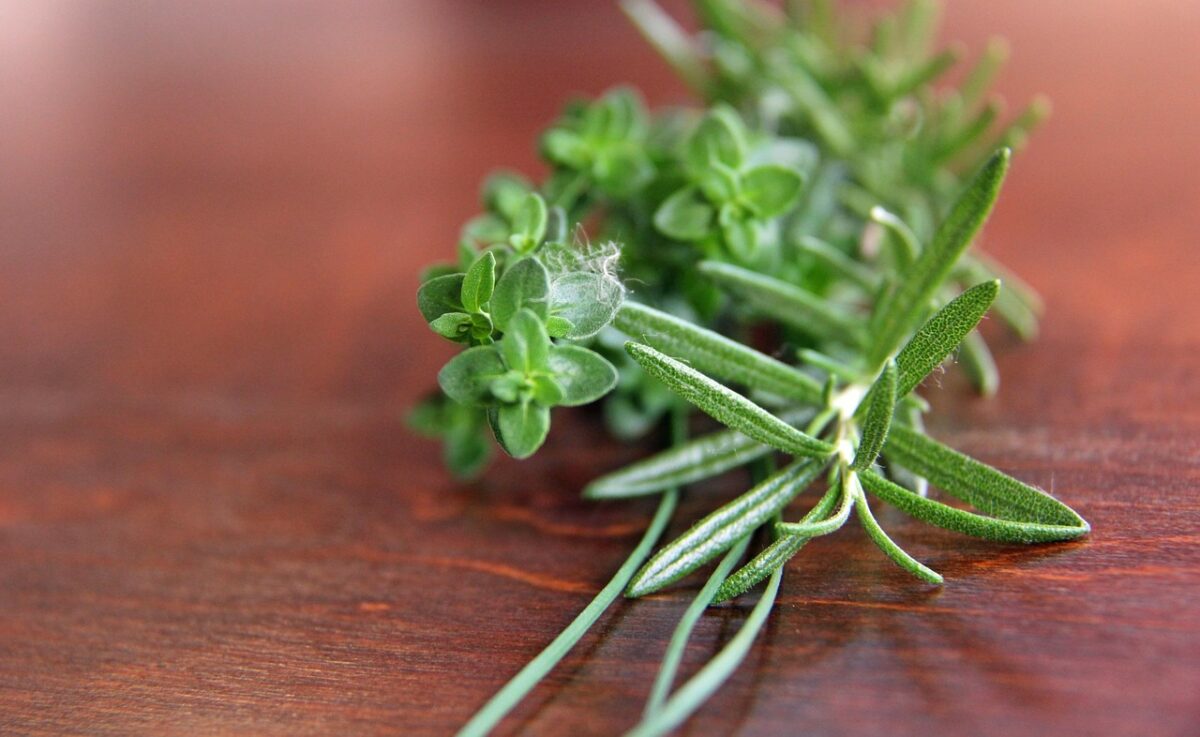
(696, 691)
(523, 682)
(683, 630)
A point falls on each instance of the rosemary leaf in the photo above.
(839, 262)
(669, 40)
(968, 523)
(714, 354)
(785, 302)
(717, 532)
(878, 418)
(725, 405)
(774, 555)
(941, 334)
(890, 548)
(978, 484)
(693, 461)
(896, 314)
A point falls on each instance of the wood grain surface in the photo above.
(213, 522)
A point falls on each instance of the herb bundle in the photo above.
(825, 189)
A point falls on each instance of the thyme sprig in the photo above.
(825, 188)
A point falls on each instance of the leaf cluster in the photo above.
(825, 193)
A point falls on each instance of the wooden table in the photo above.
(212, 520)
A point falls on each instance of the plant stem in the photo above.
(683, 631)
(696, 691)
(521, 684)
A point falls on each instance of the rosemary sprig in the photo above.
(824, 189)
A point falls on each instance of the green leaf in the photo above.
(771, 190)
(741, 234)
(521, 428)
(968, 523)
(453, 325)
(776, 554)
(878, 418)
(467, 378)
(524, 285)
(525, 346)
(889, 547)
(976, 360)
(896, 314)
(839, 262)
(714, 354)
(546, 390)
(941, 334)
(785, 302)
(907, 246)
(719, 137)
(684, 216)
(583, 374)
(669, 39)
(558, 326)
(726, 406)
(719, 183)
(479, 282)
(466, 449)
(486, 229)
(980, 485)
(692, 461)
(717, 532)
(587, 299)
(529, 225)
(505, 192)
(440, 295)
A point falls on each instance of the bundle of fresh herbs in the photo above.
(826, 190)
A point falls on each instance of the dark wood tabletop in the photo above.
(213, 520)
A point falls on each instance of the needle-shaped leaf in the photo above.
(714, 354)
(839, 262)
(941, 334)
(960, 520)
(785, 302)
(479, 282)
(978, 484)
(583, 375)
(525, 284)
(717, 532)
(907, 245)
(890, 548)
(775, 554)
(976, 360)
(692, 461)
(896, 314)
(669, 39)
(878, 418)
(725, 405)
